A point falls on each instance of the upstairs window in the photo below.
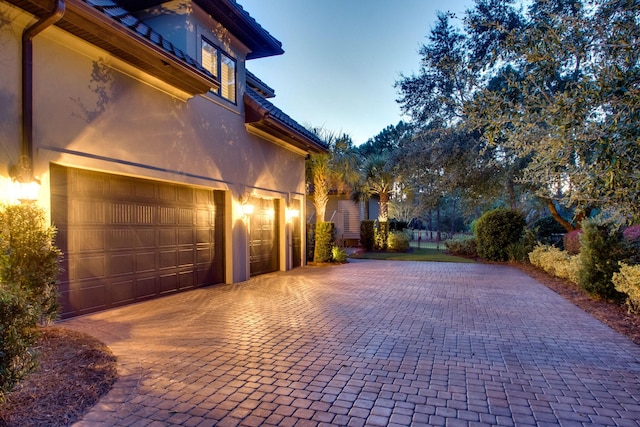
(221, 66)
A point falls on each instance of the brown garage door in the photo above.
(127, 239)
(264, 245)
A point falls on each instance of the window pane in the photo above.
(210, 58)
(228, 78)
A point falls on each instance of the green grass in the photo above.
(423, 254)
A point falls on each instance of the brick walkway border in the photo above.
(367, 343)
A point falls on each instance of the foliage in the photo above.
(496, 230)
(311, 241)
(398, 241)
(519, 251)
(325, 238)
(338, 254)
(462, 244)
(627, 281)
(601, 249)
(547, 230)
(556, 262)
(571, 242)
(29, 261)
(367, 234)
(18, 333)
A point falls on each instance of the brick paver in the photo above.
(367, 343)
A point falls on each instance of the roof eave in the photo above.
(92, 25)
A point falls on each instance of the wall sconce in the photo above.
(292, 213)
(247, 208)
(25, 186)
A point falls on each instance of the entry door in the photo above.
(264, 232)
(128, 239)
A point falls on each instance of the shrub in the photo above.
(627, 281)
(601, 249)
(572, 242)
(325, 237)
(367, 234)
(462, 244)
(18, 332)
(519, 251)
(29, 262)
(555, 262)
(496, 230)
(338, 254)
(398, 241)
(548, 231)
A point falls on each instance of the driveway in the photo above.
(367, 343)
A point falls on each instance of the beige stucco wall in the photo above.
(93, 111)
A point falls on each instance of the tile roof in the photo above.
(259, 86)
(274, 113)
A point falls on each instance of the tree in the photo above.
(564, 96)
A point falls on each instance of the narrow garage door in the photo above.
(264, 245)
(127, 239)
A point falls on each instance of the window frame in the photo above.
(221, 55)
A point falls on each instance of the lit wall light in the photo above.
(292, 213)
(247, 209)
(25, 187)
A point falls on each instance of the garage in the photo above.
(264, 242)
(128, 239)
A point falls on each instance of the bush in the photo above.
(311, 241)
(519, 251)
(325, 237)
(462, 245)
(572, 242)
(29, 262)
(627, 281)
(338, 255)
(398, 241)
(496, 230)
(601, 249)
(555, 262)
(367, 234)
(18, 332)
(548, 231)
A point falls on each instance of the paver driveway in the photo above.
(369, 342)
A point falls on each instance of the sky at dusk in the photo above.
(342, 57)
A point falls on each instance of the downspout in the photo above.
(27, 83)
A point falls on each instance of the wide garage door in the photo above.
(264, 245)
(127, 239)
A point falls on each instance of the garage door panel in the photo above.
(146, 262)
(127, 239)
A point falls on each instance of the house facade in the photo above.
(159, 157)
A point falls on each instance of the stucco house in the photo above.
(159, 157)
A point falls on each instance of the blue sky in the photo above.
(342, 57)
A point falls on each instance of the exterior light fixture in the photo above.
(25, 187)
(247, 209)
(292, 213)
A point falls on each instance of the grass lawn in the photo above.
(414, 254)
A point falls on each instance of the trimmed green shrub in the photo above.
(18, 333)
(367, 234)
(462, 244)
(556, 262)
(627, 281)
(29, 261)
(325, 239)
(398, 241)
(338, 254)
(496, 230)
(548, 231)
(572, 242)
(601, 249)
(311, 241)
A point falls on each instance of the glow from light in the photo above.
(292, 213)
(247, 209)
